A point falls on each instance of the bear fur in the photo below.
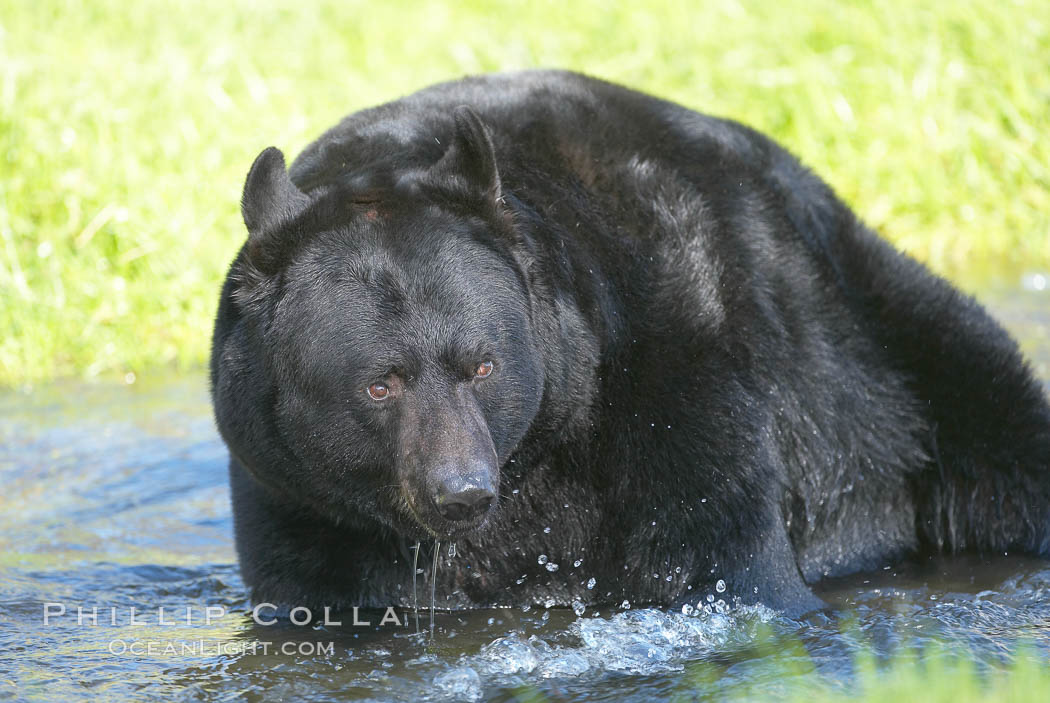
(704, 367)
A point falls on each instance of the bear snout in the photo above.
(463, 492)
(460, 500)
(447, 464)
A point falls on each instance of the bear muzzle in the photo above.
(459, 490)
(464, 496)
(447, 463)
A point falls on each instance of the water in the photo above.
(115, 497)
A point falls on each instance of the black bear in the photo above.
(610, 348)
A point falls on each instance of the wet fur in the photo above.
(732, 377)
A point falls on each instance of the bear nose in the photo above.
(460, 499)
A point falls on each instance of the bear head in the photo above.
(376, 359)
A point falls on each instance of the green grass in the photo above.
(947, 679)
(933, 674)
(929, 679)
(126, 130)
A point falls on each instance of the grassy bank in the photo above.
(126, 130)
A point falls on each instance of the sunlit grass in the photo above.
(933, 674)
(946, 679)
(937, 676)
(126, 130)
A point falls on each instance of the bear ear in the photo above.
(270, 201)
(468, 167)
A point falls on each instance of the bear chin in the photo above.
(610, 349)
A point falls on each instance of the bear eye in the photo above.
(484, 370)
(378, 391)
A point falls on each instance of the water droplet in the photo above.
(590, 583)
(452, 550)
(577, 562)
(720, 586)
(687, 609)
(626, 605)
(668, 579)
(578, 608)
(546, 530)
(756, 589)
(552, 566)
(542, 559)
(710, 598)
(549, 603)
(678, 569)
